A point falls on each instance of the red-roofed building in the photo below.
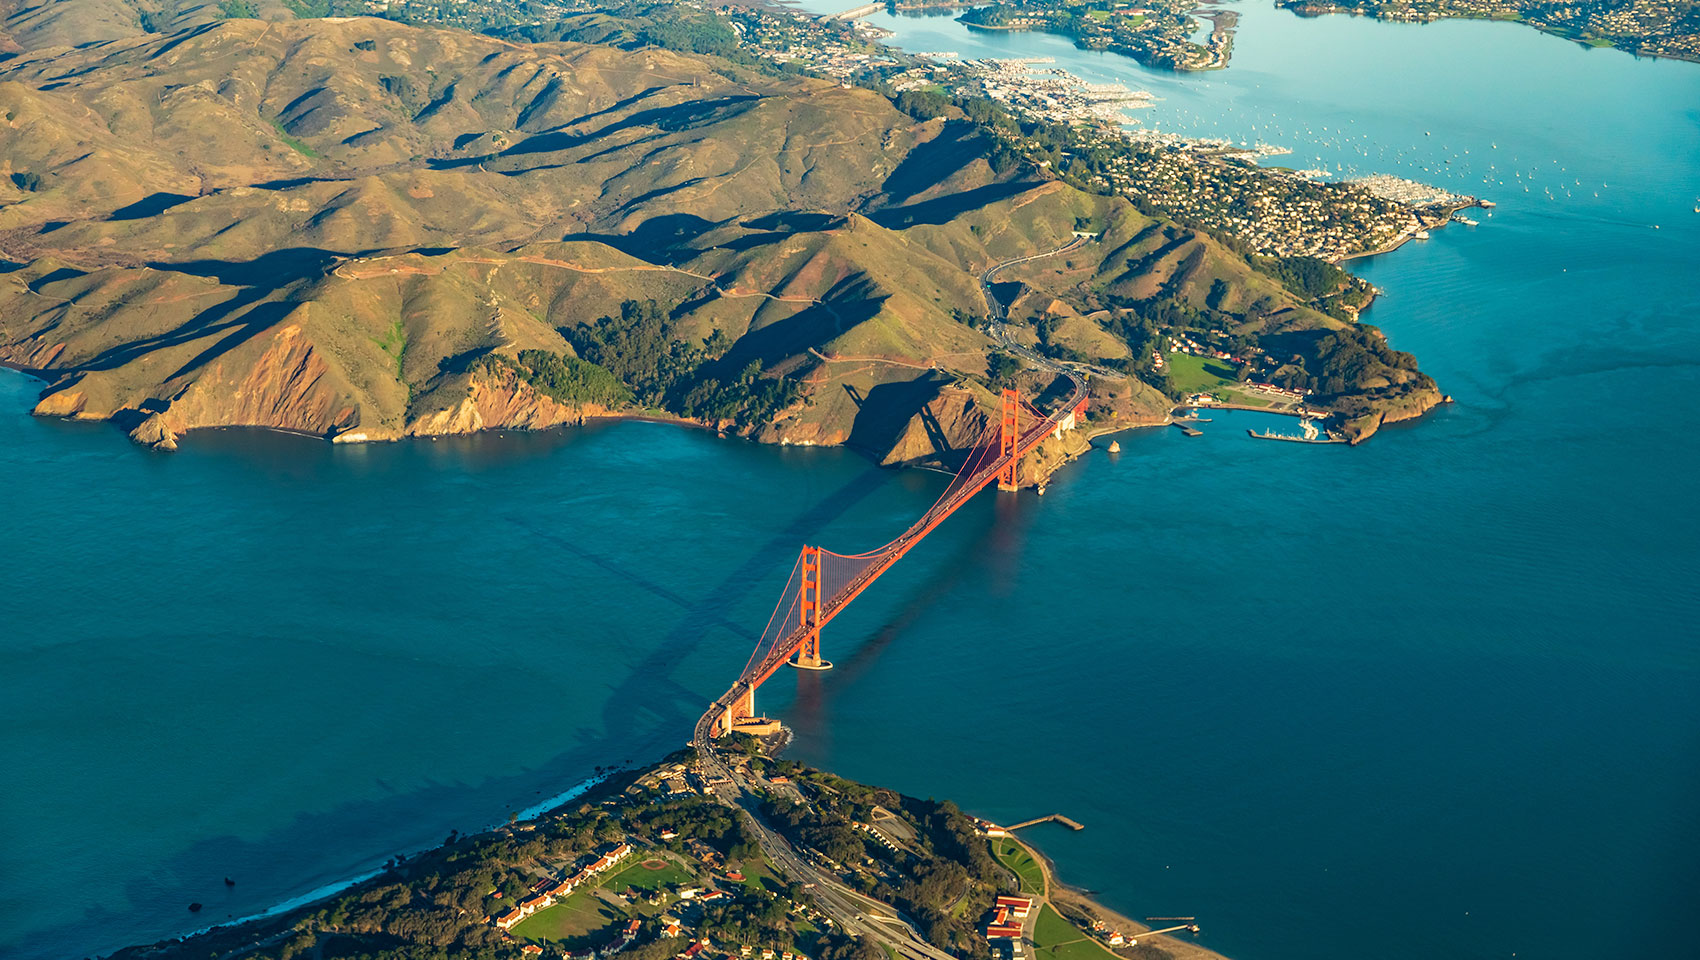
(507, 920)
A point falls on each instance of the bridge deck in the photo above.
(886, 556)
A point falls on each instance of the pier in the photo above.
(856, 13)
(1059, 818)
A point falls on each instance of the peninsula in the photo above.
(1159, 33)
(728, 853)
(1658, 28)
(285, 224)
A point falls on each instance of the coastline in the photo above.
(276, 924)
(1405, 238)
(1324, 9)
(1062, 895)
(290, 907)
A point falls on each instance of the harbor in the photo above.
(1308, 433)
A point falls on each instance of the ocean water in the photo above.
(1435, 695)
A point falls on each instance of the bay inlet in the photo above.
(1437, 693)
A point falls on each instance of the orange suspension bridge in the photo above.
(823, 583)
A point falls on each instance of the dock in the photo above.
(1187, 429)
(1271, 435)
(1059, 818)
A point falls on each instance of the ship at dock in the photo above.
(1308, 434)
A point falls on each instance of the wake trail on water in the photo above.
(329, 890)
(1567, 216)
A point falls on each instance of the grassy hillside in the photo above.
(324, 225)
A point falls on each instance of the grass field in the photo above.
(584, 912)
(1014, 856)
(577, 916)
(1054, 938)
(1195, 374)
(639, 877)
(758, 875)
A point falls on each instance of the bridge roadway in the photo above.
(894, 551)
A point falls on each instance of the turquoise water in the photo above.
(1435, 695)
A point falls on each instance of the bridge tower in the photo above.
(808, 614)
(1008, 438)
(743, 708)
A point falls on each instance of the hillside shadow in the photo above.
(151, 205)
(673, 119)
(944, 209)
(814, 324)
(659, 239)
(270, 270)
(934, 162)
(885, 411)
(232, 319)
(794, 221)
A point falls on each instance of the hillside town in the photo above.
(1662, 28)
(1157, 33)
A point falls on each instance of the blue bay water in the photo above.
(1434, 694)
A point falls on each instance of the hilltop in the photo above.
(363, 230)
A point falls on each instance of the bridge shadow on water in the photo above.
(996, 544)
(646, 714)
(715, 609)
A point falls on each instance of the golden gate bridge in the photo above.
(822, 583)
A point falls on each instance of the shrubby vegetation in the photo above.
(692, 380)
(1353, 360)
(1308, 277)
(567, 379)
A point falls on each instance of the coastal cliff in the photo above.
(359, 268)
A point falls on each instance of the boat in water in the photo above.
(1466, 221)
(1310, 434)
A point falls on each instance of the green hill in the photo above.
(325, 225)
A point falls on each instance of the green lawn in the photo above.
(759, 876)
(1194, 374)
(639, 877)
(1014, 856)
(580, 914)
(1054, 938)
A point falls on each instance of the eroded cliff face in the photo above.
(1410, 406)
(500, 402)
(287, 385)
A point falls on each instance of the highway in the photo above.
(852, 912)
(998, 328)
